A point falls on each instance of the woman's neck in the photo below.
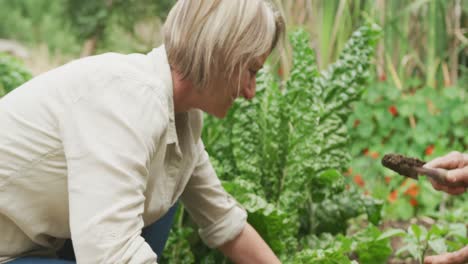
(183, 93)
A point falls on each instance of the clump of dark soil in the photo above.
(402, 165)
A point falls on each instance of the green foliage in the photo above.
(331, 214)
(63, 25)
(91, 17)
(177, 249)
(271, 223)
(442, 111)
(368, 246)
(102, 19)
(341, 84)
(303, 108)
(38, 22)
(418, 241)
(88, 17)
(419, 121)
(439, 239)
(417, 40)
(12, 74)
(320, 256)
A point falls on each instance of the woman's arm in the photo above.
(107, 137)
(248, 247)
(222, 222)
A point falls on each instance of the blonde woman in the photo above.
(100, 150)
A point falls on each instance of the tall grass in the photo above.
(423, 39)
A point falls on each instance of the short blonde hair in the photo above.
(210, 39)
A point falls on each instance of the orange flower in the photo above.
(388, 179)
(358, 180)
(383, 77)
(413, 202)
(348, 172)
(413, 190)
(405, 181)
(365, 151)
(374, 155)
(429, 150)
(392, 196)
(357, 122)
(393, 110)
(280, 71)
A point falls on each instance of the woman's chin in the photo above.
(219, 114)
(218, 111)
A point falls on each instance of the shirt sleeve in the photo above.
(108, 136)
(219, 217)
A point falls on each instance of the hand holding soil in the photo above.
(456, 164)
(448, 173)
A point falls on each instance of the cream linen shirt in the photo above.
(93, 150)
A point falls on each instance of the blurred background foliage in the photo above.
(415, 102)
(423, 39)
(57, 31)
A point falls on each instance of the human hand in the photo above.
(457, 257)
(456, 164)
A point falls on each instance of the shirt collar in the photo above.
(159, 59)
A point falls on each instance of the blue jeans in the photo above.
(155, 235)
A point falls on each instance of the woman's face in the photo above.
(219, 99)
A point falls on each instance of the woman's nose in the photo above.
(249, 91)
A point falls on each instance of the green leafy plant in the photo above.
(368, 246)
(178, 249)
(440, 238)
(12, 74)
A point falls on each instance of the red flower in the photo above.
(365, 151)
(359, 181)
(393, 110)
(413, 190)
(387, 179)
(429, 150)
(280, 71)
(392, 196)
(356, 122)
(348, 172)
(383, 77)
(413, 202)
(374, 155)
